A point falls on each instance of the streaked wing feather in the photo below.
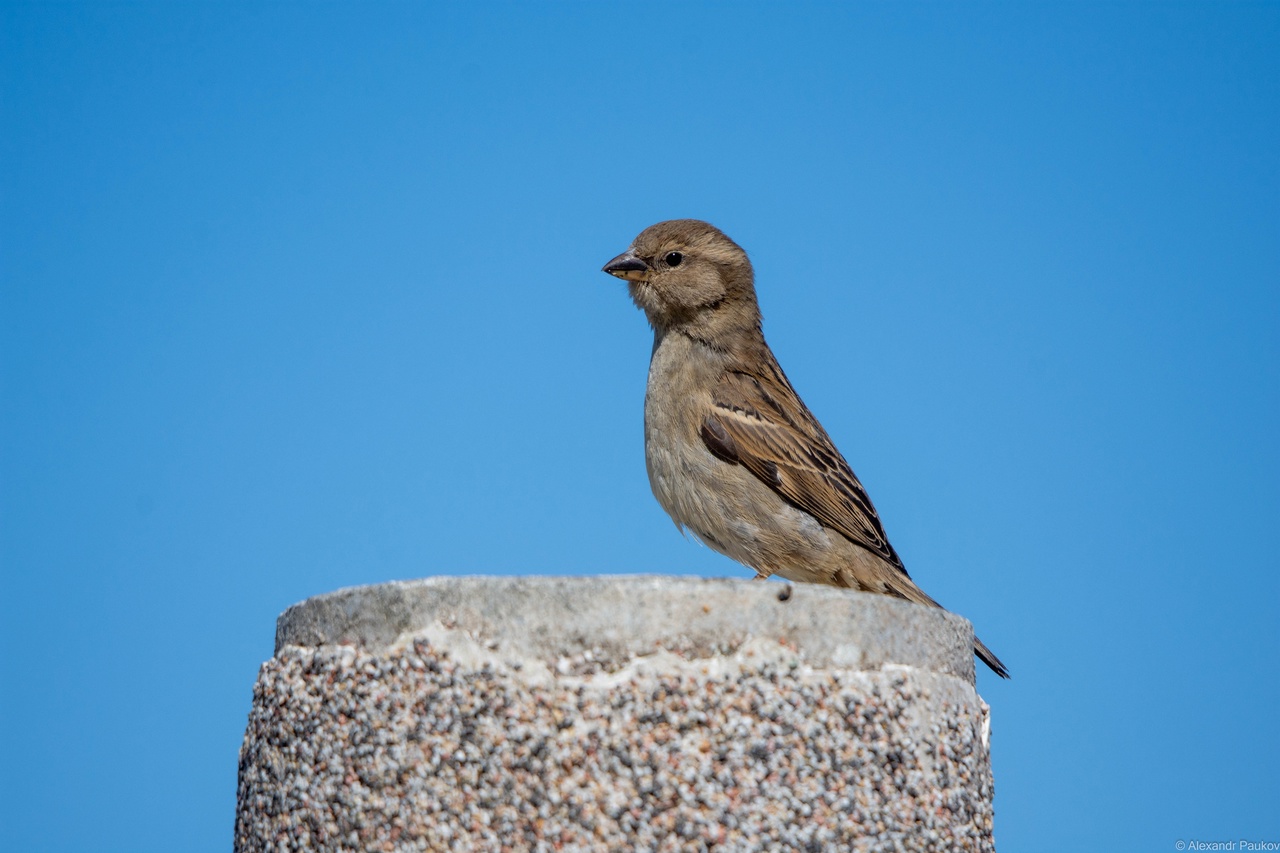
(773, 435)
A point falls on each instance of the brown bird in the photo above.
(733, 453)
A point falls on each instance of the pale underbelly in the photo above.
(731, 511)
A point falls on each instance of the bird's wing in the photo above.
(760, 422)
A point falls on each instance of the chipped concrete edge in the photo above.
(611, 620)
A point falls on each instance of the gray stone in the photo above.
(628, 712)
(629, 614)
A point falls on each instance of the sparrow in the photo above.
(733, 454)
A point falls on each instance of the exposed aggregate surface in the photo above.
(423, 746)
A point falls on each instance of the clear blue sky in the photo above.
(301, 297)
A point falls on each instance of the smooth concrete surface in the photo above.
(626, 615)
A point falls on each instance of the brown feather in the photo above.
(778, 439)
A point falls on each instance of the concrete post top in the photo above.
(611, 619)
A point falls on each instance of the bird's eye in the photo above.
(673, 259)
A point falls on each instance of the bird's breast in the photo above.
(678, 397)
(724, 504)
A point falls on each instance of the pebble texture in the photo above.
(623, 713)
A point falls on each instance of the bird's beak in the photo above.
(628, 266)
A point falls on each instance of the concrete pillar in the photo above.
(615, 713)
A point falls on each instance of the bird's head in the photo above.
(685, 273)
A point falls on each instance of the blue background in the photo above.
(301, 297)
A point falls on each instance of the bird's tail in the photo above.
(986, 656)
